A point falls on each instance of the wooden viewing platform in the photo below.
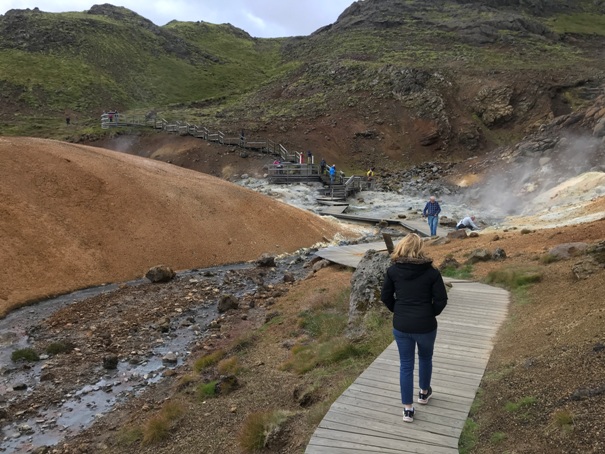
(367, 417)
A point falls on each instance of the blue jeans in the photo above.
(433, 220)
(406, 344)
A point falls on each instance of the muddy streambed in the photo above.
(99, 347)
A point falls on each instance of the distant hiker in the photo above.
(370, 174)
(414, 292)
(342, 177)
(467, 223)
(322, 166)
(332, 173)
(110, 115)
(431, 211)
(242, 138)
(116, 115)
(67, 120)
(309, 157)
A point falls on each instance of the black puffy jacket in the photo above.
(414, 291)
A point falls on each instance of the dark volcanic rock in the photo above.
(266, 260)
(479, 255)
(110, 362)
(227, 302)
(160, 273)
(366, 283)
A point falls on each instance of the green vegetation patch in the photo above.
(59, 347)
(579, 23)
(25, 354)
(463, 272)
(159, 427)
(520, 404)
(206, 390)
(514, 278)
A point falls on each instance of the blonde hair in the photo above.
(410, 246)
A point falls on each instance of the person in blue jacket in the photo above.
(431, 211)
(332, 172)
(414, 292)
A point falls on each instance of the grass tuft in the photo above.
(208, 360)
(229, 366)
(514, 278)
(258, 426)
(158, 427)
(468, 437)
(523, 403)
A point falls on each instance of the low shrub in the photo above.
(498, 437)
(307, 357)
(25, 354)
(129, 436)
(208, 360)
(563, 419)
(548, 258)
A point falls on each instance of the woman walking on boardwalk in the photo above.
(415, 293)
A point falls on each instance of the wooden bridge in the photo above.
(367, 417)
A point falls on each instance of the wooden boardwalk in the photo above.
(367, 417)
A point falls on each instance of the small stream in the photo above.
(79, 409)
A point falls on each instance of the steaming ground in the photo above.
(576, 200)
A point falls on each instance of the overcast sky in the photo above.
(260, 18)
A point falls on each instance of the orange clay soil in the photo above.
(73, 216)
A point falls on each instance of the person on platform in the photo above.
(467, 223)
(322, 166)
(431, 212)
(414, 292)
(370, 174)
(332, 172)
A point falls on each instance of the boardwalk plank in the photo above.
(367, 417)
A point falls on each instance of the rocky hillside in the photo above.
(391, 82)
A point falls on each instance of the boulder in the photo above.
(321, 264)
(478, 255)
(499, 254)
(366, 283)
(170, 358)
(567, 250)
(457, 234)
(449, 262)
(447, 222)
(599, 129)
(160, 273)
(227, 302)
(473, 235)
(289, 277)
(266, 260)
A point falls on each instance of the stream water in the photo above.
(78, 409)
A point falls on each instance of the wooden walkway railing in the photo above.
(117, 120)
(367, 417)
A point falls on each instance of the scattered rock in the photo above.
(383, 223)
(303, 397)
(401, 216)
(227, 302)
(321, 264)
(227, 384)
(289, 277)
(110, 362)
(525, 231)
(499, 254)
(449, 262)
(585, 268)
(47, 376)
(473, 235)
(478, 255)
(271, 315)
(567, 250)
(457, 234)
(160, 273)
(496, 238)
(447, 222)
(266, 260)
(170, 358)
(19, 387)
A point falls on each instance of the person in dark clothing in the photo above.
(431, 212)
(414, 292)
(322, 166)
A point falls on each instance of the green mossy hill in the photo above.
(111, 57)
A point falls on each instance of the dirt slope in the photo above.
(74, 216)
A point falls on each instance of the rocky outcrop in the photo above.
(366, 284)
(226, 303)
(493, 105)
